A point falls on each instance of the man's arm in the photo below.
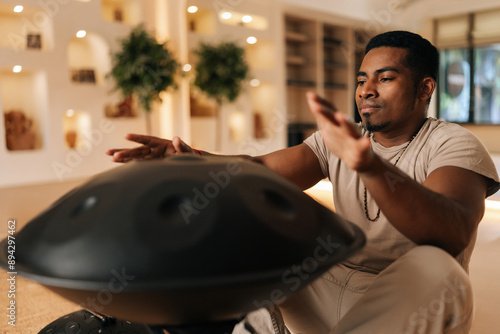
(443, 211)
(298, 164)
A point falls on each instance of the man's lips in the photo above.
(368, 108)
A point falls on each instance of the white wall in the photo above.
(47, 70)
(415, 14)
(351, 9)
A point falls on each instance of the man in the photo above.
(415, 185)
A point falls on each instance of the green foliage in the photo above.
(221, 70)
(143, 67)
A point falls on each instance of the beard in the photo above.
(371, 127)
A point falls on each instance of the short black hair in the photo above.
(422, 57)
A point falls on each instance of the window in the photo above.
(469, 78)
(487, 84)
(454, 85)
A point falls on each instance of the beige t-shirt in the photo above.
(437, 144)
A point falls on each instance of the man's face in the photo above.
(385, 93)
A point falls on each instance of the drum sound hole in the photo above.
(85, 206)
(170, 209)
(278, 202)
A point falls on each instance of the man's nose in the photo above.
(367, 90)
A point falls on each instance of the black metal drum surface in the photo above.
(183, 239)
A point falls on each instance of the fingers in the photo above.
(364, 143)
(326, 105)
(180, 146)
(320, 107)
(113, 151)
(141, 139)
(125, 155)
(151, 148)
(348, 126)
(326, 113)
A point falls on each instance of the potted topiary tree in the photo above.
(142, 69)
(220, 72)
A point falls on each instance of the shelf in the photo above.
(335, 85)
(24, 105)
(122, 11)
(300, 83)
(334, 64)
(293, 36)
(301, 54)
(296, 60)
(329, 41)
(201, 22)
(89, 59)
(76, 125)
(20, 32)
(328, 71)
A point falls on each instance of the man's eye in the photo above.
(386, 79)
(360, 82)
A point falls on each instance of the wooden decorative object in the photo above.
(118, 15)
(126, 108)
(258, 123)
(83, 75)
(71, 137)
(202, 107)
(18, 131)
(34, 41)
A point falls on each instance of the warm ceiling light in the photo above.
(192, 9)
(17, 69)
(226, 15)
(18, 9)
(255, 82)
(247, 18)
(81, 33)
(70, 113)
(251, 40)
(186, 67)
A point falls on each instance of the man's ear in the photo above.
(427, 87)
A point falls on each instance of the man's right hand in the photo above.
(151, 148)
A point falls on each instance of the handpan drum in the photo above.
(182, 240)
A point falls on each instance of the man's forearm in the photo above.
(421, 214)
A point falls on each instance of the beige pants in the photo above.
(424, 291)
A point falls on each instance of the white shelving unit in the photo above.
(318, 58)
(62, 88)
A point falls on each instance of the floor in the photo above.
(484, 273)
(23, 203)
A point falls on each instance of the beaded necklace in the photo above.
(367, 215)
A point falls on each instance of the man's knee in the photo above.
(424, 291)
(430, 275)
(441, 284)
(431, 269)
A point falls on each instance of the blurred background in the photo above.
(63, 106)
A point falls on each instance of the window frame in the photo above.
(462, 40)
